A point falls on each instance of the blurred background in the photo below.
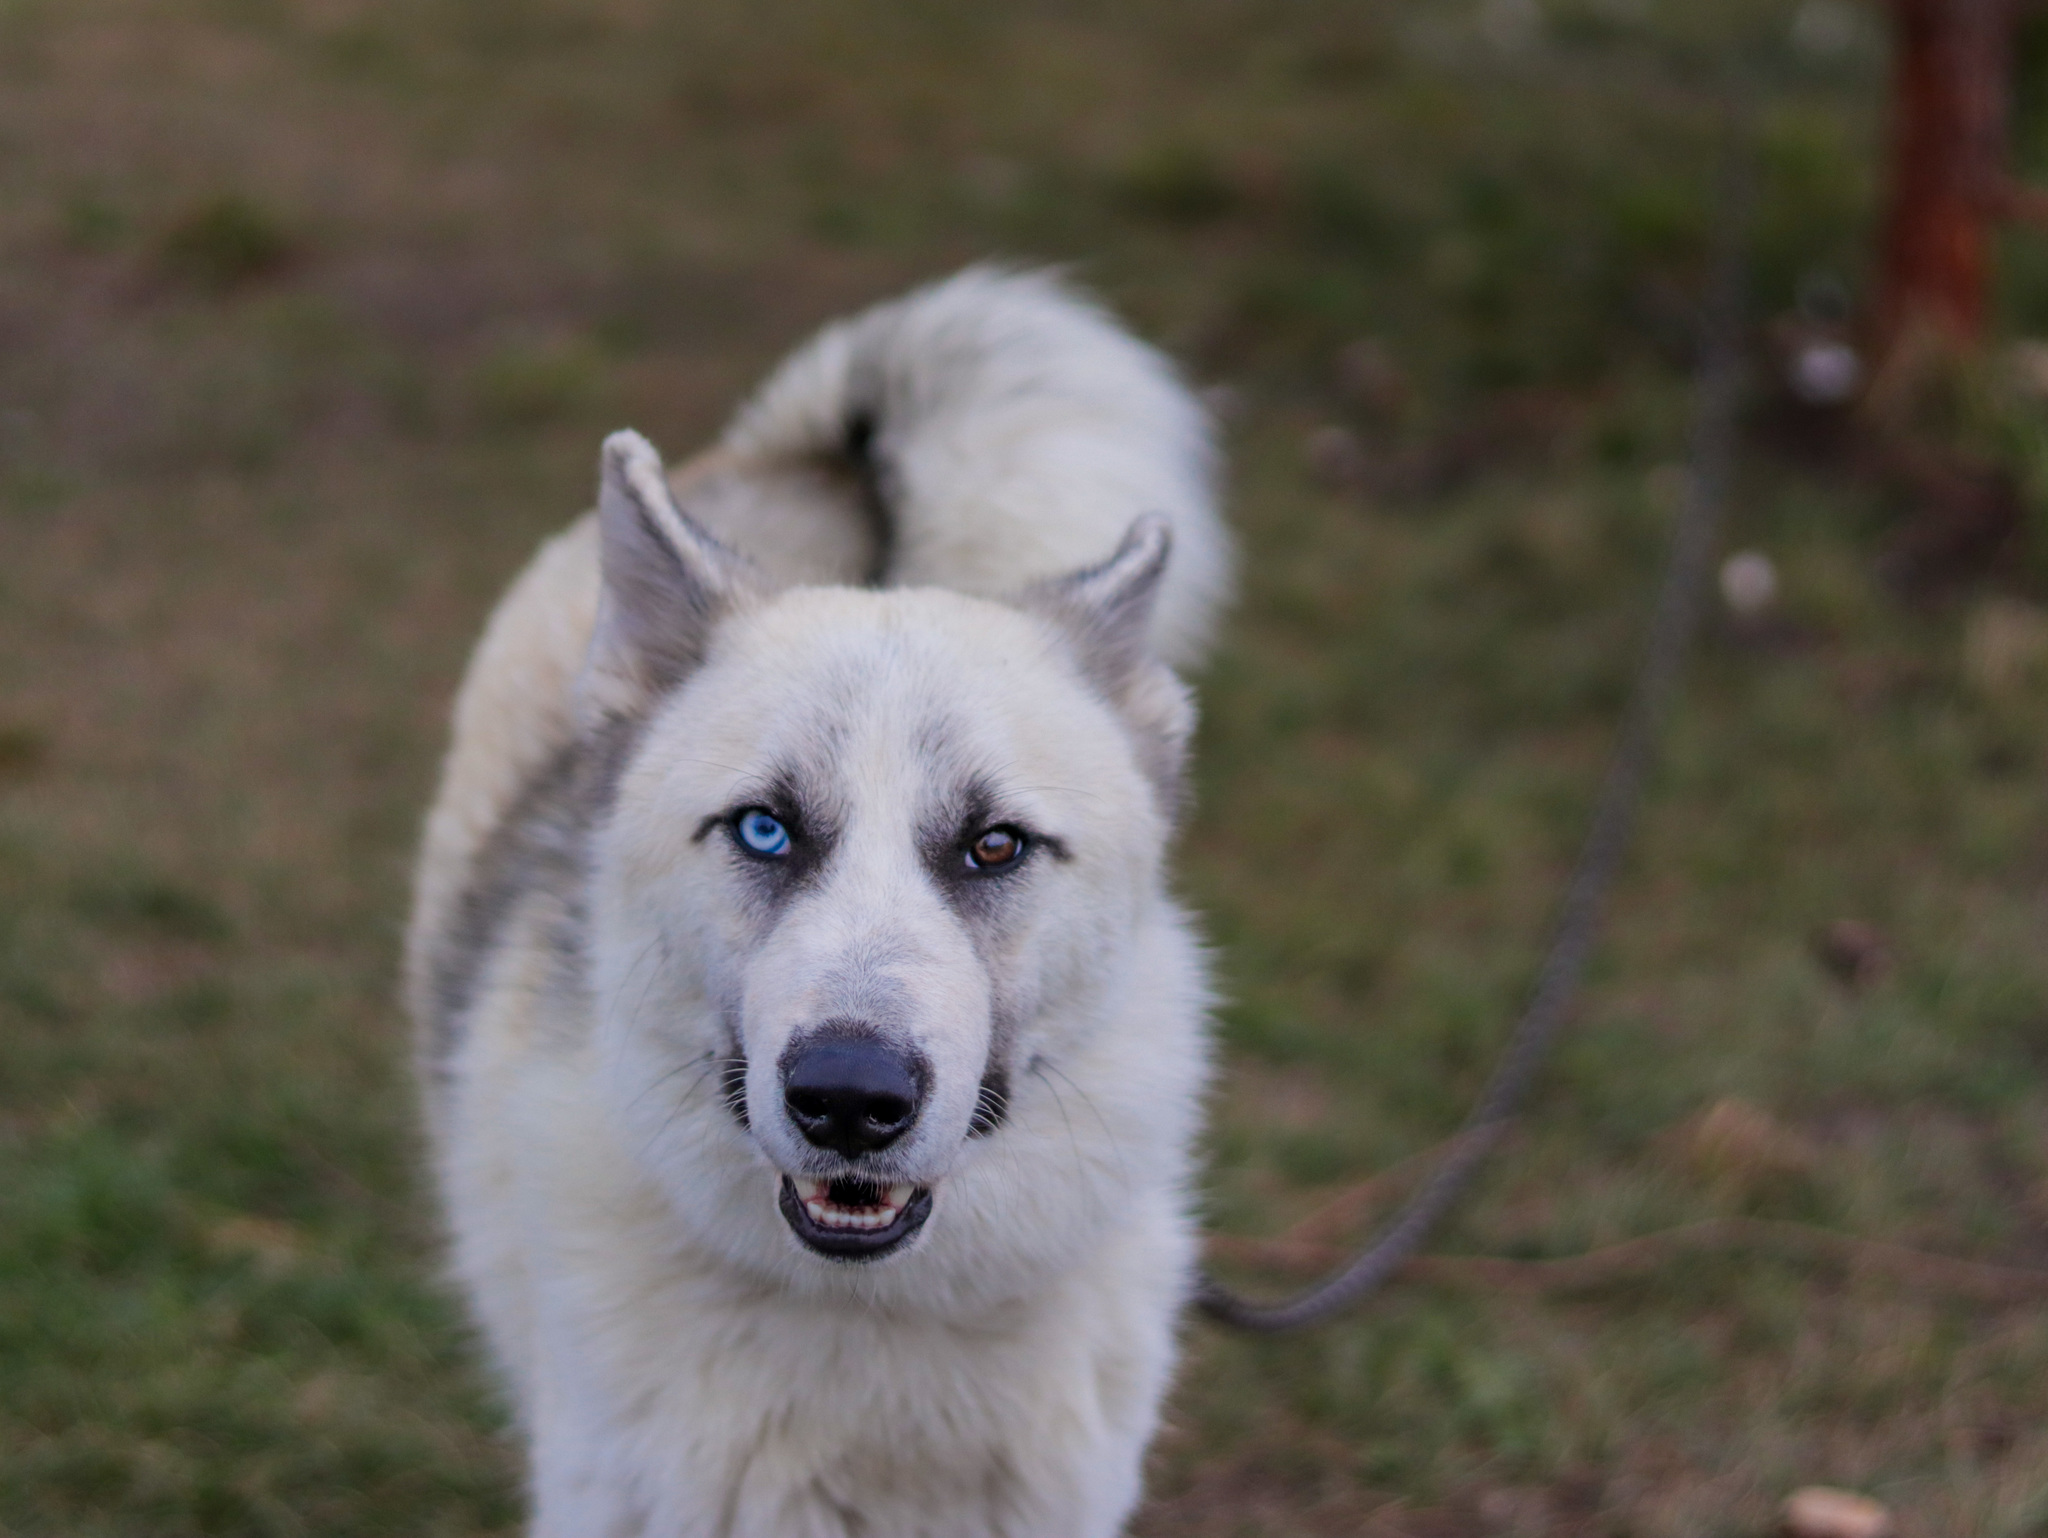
(312, 316)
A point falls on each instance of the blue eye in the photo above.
(762, 834)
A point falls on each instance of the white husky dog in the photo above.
(813, 1049)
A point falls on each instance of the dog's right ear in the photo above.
(665, 584)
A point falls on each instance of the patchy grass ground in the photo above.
(312, 313)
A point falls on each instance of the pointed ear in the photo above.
(1106, 613)
(1106, 610)
(665, 583)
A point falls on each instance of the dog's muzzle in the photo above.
(849, 1092)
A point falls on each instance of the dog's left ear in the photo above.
(1106, 612)
(666, 582)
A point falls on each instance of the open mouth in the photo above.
(853, 1219)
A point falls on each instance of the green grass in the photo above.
(311, 319)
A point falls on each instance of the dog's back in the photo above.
(986, 432)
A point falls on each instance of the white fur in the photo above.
(682, 1366)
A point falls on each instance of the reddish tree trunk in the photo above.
(1951, 77)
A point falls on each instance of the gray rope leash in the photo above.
(1672, 628)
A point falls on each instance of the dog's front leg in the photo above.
(585, 1482)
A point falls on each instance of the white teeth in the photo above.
(826, 1213)
(842, 1217)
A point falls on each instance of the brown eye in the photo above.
(995, 849)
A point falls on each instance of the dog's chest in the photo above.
(779, 1426)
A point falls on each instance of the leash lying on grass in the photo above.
(1311, 1245)
(1975, 1280)
(1585, 897)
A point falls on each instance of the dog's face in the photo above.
(872, 859)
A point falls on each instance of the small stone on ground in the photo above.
(1821, 1512)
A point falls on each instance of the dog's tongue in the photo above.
(852, 1203)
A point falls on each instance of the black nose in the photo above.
(851, 1093)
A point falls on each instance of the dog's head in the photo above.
(871, 858)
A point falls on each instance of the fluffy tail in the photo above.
(1001, 429)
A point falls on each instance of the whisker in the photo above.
(1115, 1144)
(1080, 1159)
(681, 1068)
(1066, 790)
(647, 983)
(683, 1103)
